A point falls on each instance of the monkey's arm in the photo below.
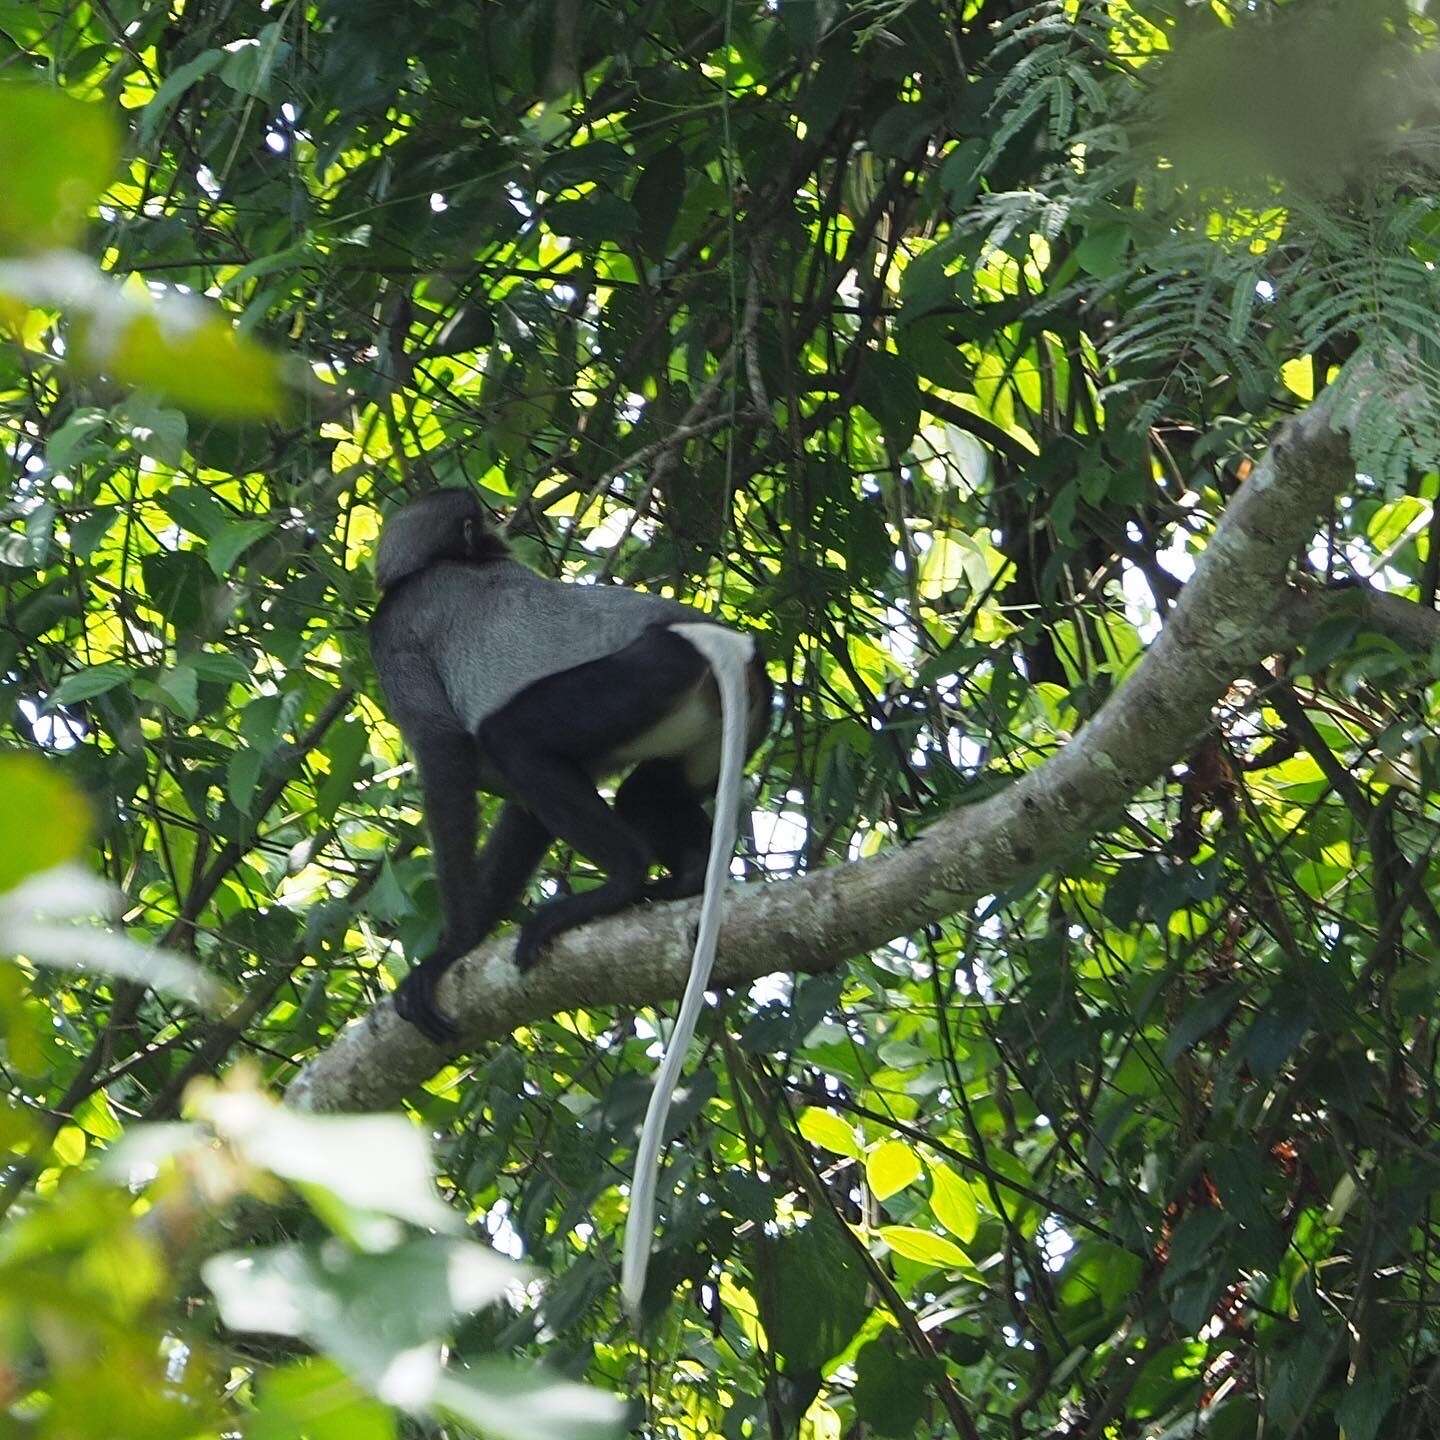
(474, 896)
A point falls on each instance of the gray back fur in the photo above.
(495, 629)
(423, 531)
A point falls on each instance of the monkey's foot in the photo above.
(415, 1002)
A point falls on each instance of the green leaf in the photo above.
(1099, 1270)
(233, 541)
(1276, 1031)
(242, 774)
(344, 748)
(471, 327)
(1193, 1244)
(250, 64)
(86, 534)
(953, 1202)
(599, 161)
(1167, 1376)
(1327, 642)
(157, 430)
(59, 155)
(93, 680)
(388, 900)
(892, 1385)
(595, 218)
(174, 86)
(887, 388)
(195, 509)
(219, 665)
(658, 195)
(180, 686)
(960, 174)
(316, 1399)
(76, 439)
(44, 821)
(890, 1167)
(291, 258)
(924, 285)
(1200, 1019)
(825, 1129)
(926, 1247)
(1102, 250)
(816, 1298)
(1366, 1404)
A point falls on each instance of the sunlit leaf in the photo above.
(924, 1246)
(382, 1317)
(315, 1398)
(37, 921)
(512, 1403)
(95, 1117)
(890, 1167)
(827, 1130)
(953, 1202)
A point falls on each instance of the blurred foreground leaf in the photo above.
(59, 155)
(170, 344)
(44, 821)
(38, 920)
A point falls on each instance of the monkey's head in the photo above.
(443, 525)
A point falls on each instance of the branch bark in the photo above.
(1410, 625)
(1222, 625)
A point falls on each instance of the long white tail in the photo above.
(728, 654)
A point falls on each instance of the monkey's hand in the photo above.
(534, 936)
(415, 1001)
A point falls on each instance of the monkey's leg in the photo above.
(657, 801)
(547, 742)
(564, 798)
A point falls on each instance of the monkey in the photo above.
(535, 690)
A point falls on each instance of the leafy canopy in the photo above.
(927, 339)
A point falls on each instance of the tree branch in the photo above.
(1409, 624)
(1221, 626)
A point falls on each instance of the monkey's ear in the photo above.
(470, 536)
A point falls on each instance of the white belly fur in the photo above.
(690, 732)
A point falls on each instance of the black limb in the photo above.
(474, 895)
(545, 742)
(657, 801)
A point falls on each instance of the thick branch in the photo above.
(1219, 628)
(1410, 625)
